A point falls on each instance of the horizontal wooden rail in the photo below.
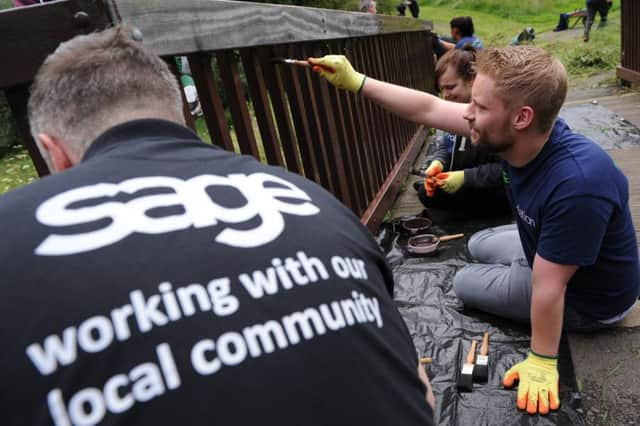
(173, 27)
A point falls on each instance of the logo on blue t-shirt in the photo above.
(525, 218)
(505, 177)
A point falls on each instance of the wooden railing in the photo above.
(629, 69)
(283, 115)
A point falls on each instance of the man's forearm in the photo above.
(547, 307)
(417, 106)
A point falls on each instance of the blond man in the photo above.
(569, 199)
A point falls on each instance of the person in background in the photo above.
(157, 279)
(368, 6)
(458, 175)
(596, 6)
(413, 6)
(571, 203)
(189, 86)
(462, 33)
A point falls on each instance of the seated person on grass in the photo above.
(462, 33)
(156, 279)
(570, 200)
(459, 175)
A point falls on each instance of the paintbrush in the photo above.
(298, 62)
(426, 360)
(301, 63)
(465, 378)
(481, 369)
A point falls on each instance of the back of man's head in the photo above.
(527, 76)
(94, 82)
(464, 24)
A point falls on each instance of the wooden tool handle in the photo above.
(471, 357)
(426, 360)
(484, 349)
(451, 237)
(302, 63)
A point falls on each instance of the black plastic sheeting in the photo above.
(601, 125)
(443, 330)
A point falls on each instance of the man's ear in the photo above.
(523, 118)
(60, 158)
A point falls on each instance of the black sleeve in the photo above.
(486, 175)
(440, 153)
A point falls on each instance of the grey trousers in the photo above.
(501, 282)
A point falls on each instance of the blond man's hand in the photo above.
(338, 71)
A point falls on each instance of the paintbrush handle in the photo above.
(471, 357)
(426, 360)
(451, 237)
(301, 63)
(484, 349)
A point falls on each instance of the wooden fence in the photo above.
(629, 69)
(281, 114)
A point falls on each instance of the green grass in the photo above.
(497, 22)
(16, 169)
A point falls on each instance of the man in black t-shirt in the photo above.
(155, 279)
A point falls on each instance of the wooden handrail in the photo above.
(177, 27)
(629, 68)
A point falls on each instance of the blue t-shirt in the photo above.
(572, 208)
(472, 40)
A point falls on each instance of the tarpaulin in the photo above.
(442, 329)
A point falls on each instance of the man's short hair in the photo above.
(93, 82)
(464, 24)
(527, 75)
(461, 60)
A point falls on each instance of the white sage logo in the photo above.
(262, 194)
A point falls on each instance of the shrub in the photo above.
(8, 130)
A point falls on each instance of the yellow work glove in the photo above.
(430, 177)
(338, 70)
(434, 168)
(538, 387)
(451, 182)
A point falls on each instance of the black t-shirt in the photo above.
(166, 281)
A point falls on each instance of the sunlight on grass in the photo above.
(16, 169)
(581, 59)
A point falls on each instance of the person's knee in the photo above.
(476, 243)
(463, 283)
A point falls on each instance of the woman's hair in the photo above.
(462, 61)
